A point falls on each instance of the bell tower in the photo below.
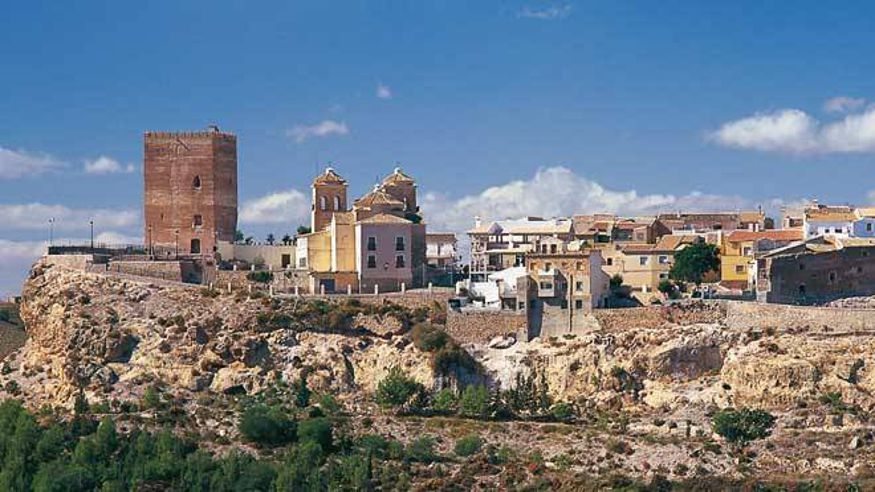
(329, 196)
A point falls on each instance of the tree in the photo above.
(475, 401)
(742, 426)
(302, 229)
(238, 236)
(445, 400)
(270, 239)
(267, 426)
(397, 389)
(616, 281)
(316, 430)
(302, 392)
(286, 240)
(694, 261)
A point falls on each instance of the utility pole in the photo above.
(52, 231)
(91, 223)
(151, 247)
(177, 243)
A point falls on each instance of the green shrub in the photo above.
(261, 276)
(475, 401)
(562, 411)
(468, 445)
(267, 426)
(742, 426)
(422, 450)
(397, 389)
(317, 430)
(428, 338)
(445, 400)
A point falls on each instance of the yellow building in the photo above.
(644, 266)
(737, 253)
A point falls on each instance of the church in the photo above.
(377, 245)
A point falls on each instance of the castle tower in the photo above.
(329, 196)
(402, 188)
(190, 190)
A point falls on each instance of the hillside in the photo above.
(641, 392)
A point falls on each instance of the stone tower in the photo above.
(190, 190)
(329, 196)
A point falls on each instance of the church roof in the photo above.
(384, 219)
(377, 197)
(398, 177)
(330, 176)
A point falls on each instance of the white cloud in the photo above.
(17, 164)
(843, 104)
(384, 91)
(106, 165)
(35, 216)
(794, 131)
(280, 207)
(551, 12)
(559, 192)
(302, 133)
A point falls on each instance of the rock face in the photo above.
(112, 337)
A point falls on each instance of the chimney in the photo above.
(476, 221)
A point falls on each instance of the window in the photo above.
(546, 285)
(521, 305)
(553, 249)
(198, 220)
(739, 269)
(302, 262)
(336, 203)
(663, 276)
(663, 260)
(548, 266)
(564, 304)
(323, 204)
(802, 266)
(868, 227)
(372, 261)
(579, 265)
(610, 261)
(643, 260)
(399, 243)
(832, 276)
(859, 269)
(196, 184)
(578, 304)
(746, 251)
(372, 243)
(195, 246)
(399, 261)
(578, 286)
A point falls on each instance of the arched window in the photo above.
(322, 203)
(336, 203)
(196, 184)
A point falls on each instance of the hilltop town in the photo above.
(696, 350)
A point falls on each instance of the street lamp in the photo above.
(91, 223)
(52, 231)
(151, 248)
(177, 243)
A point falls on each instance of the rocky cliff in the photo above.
(662, 373)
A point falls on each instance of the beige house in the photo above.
(643, 266)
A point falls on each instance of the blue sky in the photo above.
(633, 106)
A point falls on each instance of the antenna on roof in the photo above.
(213, 127)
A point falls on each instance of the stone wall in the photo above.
(482, 326)
(748, 315)
(77, 262)
(164, 270)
